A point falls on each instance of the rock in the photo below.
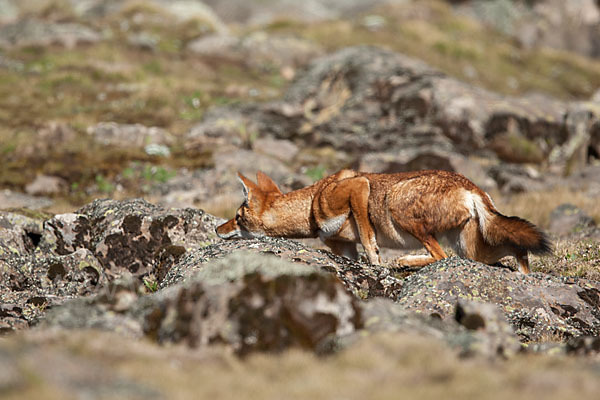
(536, 305)
(571, 26)
(130, 236)
(34, 284)
(492, 338)
(567, 218)
(218, 190)
(283, 150)
(181, 11)
(8, 11)
(583, 345)
(581, 121)
(257, 50)
(271, 11)
(143, 40)
(495, 336)
(10, 199)
(248, 301)
(363, 281)
(130, 135)
(586, 180)
(19, 234)
(46, 185)
(513, 178)
(365, 99)
(186, 10)
(33, 32)
(46, 138)
(594, 144)
(76, 254)
(10, 64)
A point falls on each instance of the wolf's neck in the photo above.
(290, 215)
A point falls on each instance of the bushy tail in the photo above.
(500, 230)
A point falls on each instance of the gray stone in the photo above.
(10, 199)
(362, 280)
(32, 32)
(248, 301)
(567, 218)
(130, 135)
(536, 305)
(46, 185)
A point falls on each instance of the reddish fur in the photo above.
(351, 207)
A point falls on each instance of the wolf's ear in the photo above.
(266, 184)
(247, 186)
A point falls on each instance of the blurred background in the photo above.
(167, 100)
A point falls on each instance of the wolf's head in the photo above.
(249, 218)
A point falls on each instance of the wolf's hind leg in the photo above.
(434, 248)
(414, 260)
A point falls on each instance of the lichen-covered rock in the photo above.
(490, 336)
(489, 325)
(367, 99)
(31, 284)
(363, 280)
(536, 305)
(249, 301)
(19, 233)
(132, 235)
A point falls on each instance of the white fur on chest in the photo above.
(331, 226)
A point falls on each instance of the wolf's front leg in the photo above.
(337, 201)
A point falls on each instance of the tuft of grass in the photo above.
(150, 283)
(578, 258)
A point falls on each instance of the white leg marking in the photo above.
(331, 226)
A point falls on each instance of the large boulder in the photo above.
(128, 236)
(362, 280)
(251, 302)
(537, 305)
(43, 263)
(366, 99)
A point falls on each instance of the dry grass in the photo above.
(384, 366)
(578, 257)
(537, 206)
(461, 47)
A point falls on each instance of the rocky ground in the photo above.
(123, 124)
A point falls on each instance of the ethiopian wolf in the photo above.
(403, 210)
